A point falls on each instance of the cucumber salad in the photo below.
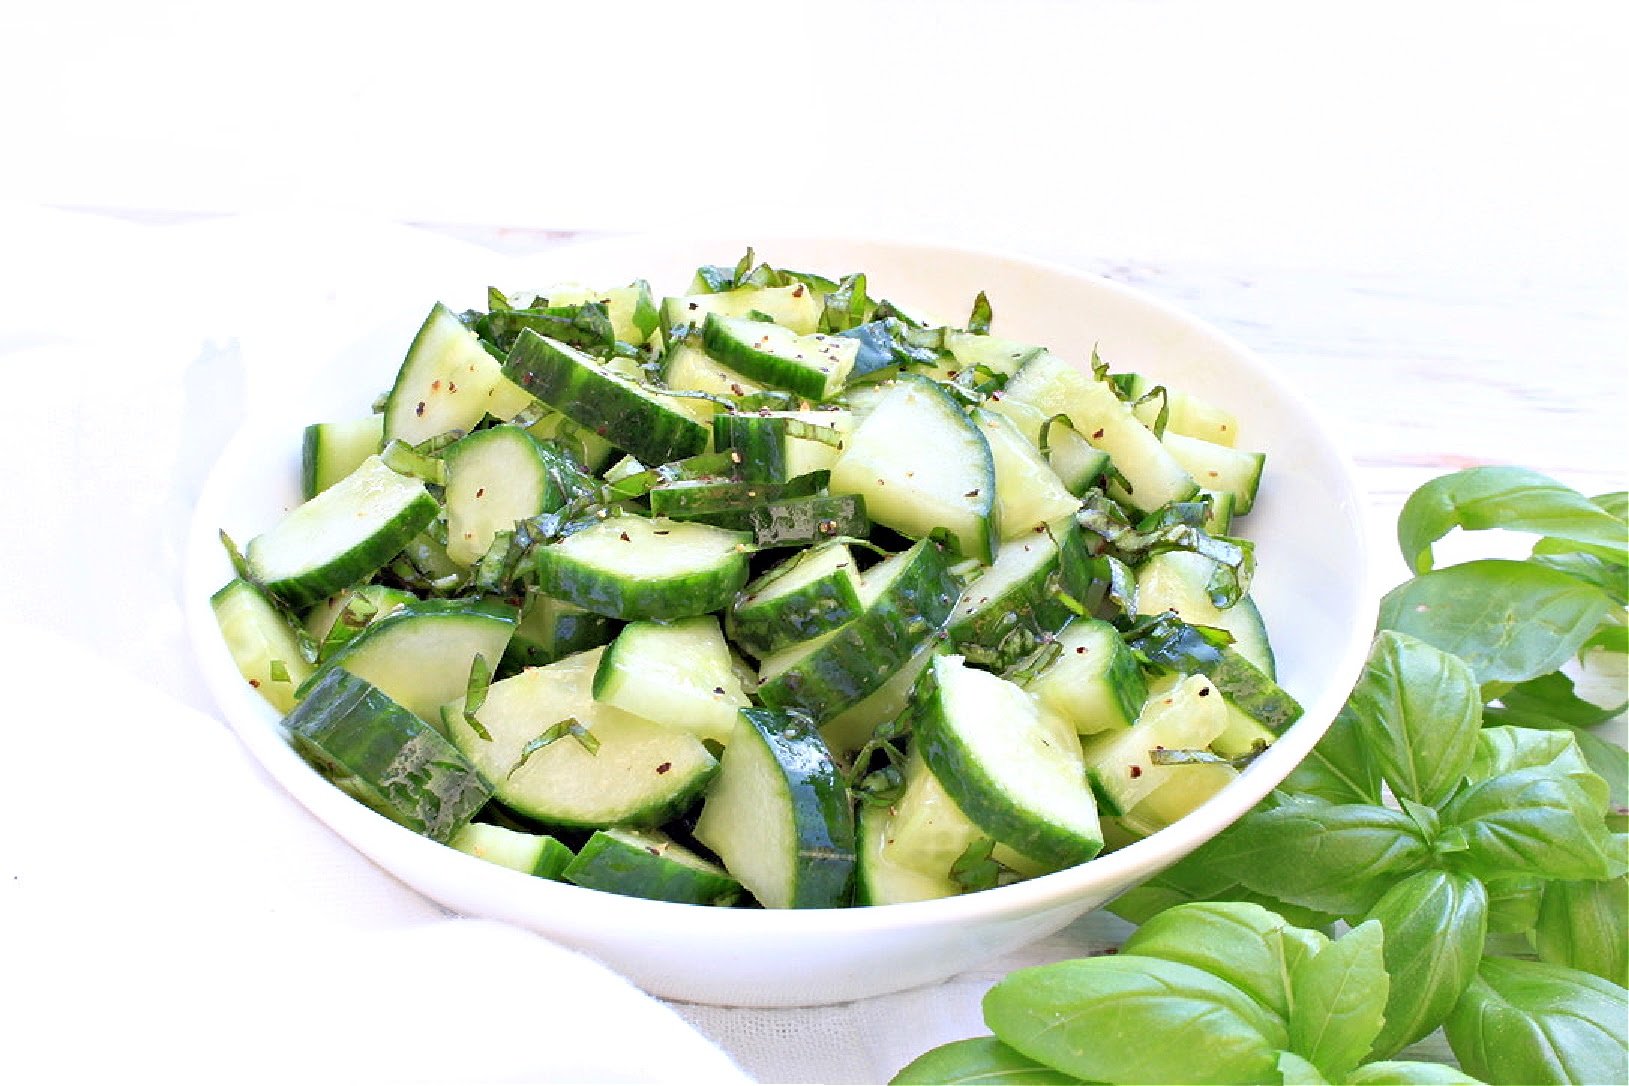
(772, 593)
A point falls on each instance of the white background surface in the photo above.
(1418, 210)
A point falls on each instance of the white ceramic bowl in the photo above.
(1312, 586)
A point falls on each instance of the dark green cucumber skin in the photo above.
(1248, 688)
(822, 818)
(372, 555)
(573, 632)
(1030, 613)
(678, 500)
(782, 521)
(489, 608)
(617, 867)
(766, 369)
(808, 612)
(633, 422)
(632, 598)
(385, 756)
(967, 784)
(760, 441)
(866, 652)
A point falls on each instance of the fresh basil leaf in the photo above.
(1506, 749)
(1339, 769)
(1510, 621)
(1511, 498)
(1409, 1073)
(1533, 1022)
(1436, 925)
(977, 1060)
(1610, 762)
(1126, 1018)
(1585, 925)
(1531, 822)
(1418, 712)
(1549, 701)
(1246, 945)
(1513, 903)
(1338, 998)
(1297, 1070)
(1609, 638)
(1610, 577)
(1338, 858)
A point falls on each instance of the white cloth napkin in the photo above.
(164, 906)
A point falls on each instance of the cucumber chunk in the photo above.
(495, 477)
(1095, 683)
(342, 536)
(1016, 605)
(1219, 467)
(550, 629)
(263, 643)
(420, 654)
(1120, 764)
(1177, 581)
(447, 383)
(794, 306)
(650, 864)
(882, 880)
(529, 853)
(922, 465)
(778, 815)
(814, 366)
(678, 673)
(624, 770)
(812, 592)
(330, 451)
(1029, 493)
(386, 756)
(633, 567)
(1013, 774)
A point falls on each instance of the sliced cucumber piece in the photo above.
(922, 465)
(904, 600)
(814, 366)
(386, 756)
(1077, 464)
(495, 477)
(882, 880)
(1153, 476)
(650, 864)
(633, 567)
(330, 451)
(793, 306)
(688, 368)
(342, 536)
(973, 350)
(1120, 764)
(650, 426)
(556, 755)
(930, 834)
(591, 451)
(263, 643)
(1016, 605)
(1178, 581)
(1181, 794)
(776, 447)
(1095, 683)
(1016, 776)
(852, 728)
(1222, 508)
(812, 592)
(420, 654)
(529, 853)
(551, 629)
(677, 673)
(1218, 467)
(778, 815)
(1029, 493)
(337, 619)
(447, 383)
(1186, 413)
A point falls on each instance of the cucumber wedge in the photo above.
(1219, 467)
(621, 770)
(633, 567)
(1186, 414)
(332, 450)
(342, 536)
(1153, 476)
(1177, 580)
(1016, 605)
(1120, 764)
(552, 629)
(778, 815)
(794, 306)
(1029, 493)
(677, 673)
(779, 446)
(529, 853)
(646, 424)
(809, 594)
(495, 477)
(650, 864)
(263, 643)
(882, 880)
(1009, 771)
(905, 600)
(337, 619)
(922, 465)
(385, 756)
(1095, 683)
(420, 654)
(447, 383)
(814, 366)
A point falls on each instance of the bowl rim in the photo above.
(256, 723)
